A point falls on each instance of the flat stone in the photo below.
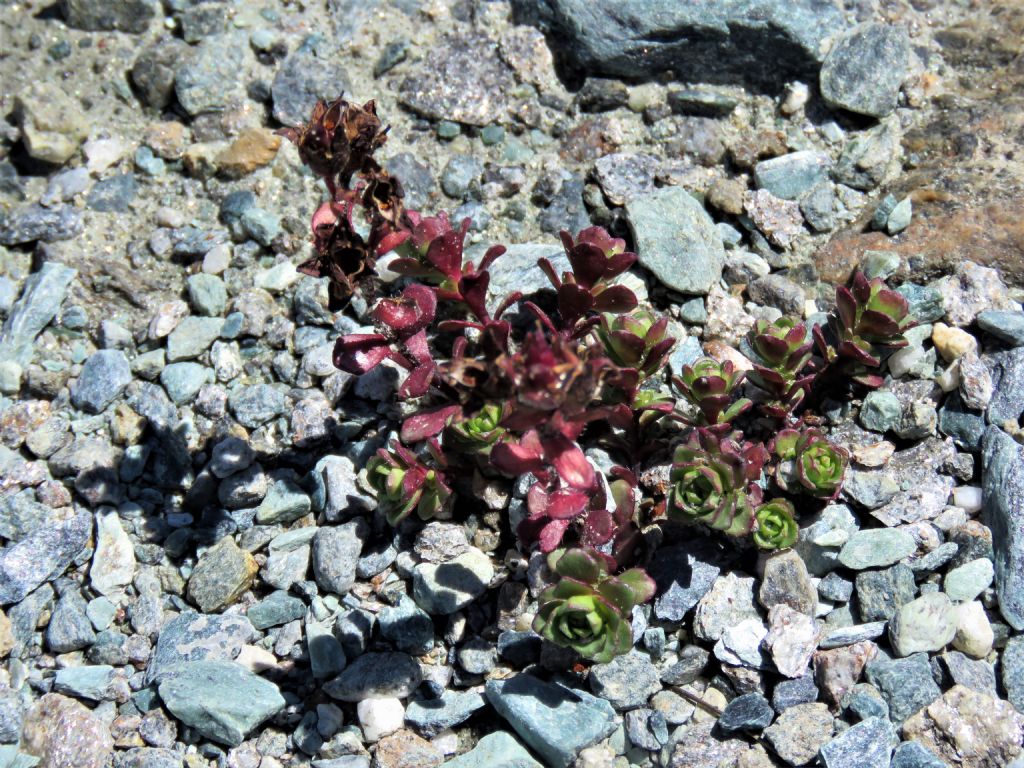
(749, 712)
(729, 601)
(556, 721)
(41, 556)
(627, 681)
(748, 42)
(791, 640)
(925, 624)
(65, 734)
(376, 675)
(113, 562)
(194, 636)
(221, 700)
(495, 750)
(1005, 325)
(432, 716)
(407, 626)
(220, 577)
(876, 548)
(790, 693)
(40, 300)
(976, 674)
(905, 684)
(52, 122)
(326, 656)
(336, 552)
(865, 68)
(99, 682)
(207, 80)
(285, 502)
(676, 239)
(968, 728)
(786, 582)
(740, 645)
(868, 744)
(684, 573)
(131, 16)
(967, 581)
(517, 270)
(192, 337)
(1013, 672)
(910, 754)
(256, 405)
(449, 587)
(103, 378)
(1003, 513)
(312, 72)
(881, 593)
(800, 732)
(791, 176)
(276, 609)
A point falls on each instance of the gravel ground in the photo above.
(192, 574)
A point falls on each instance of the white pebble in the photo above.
(379, 717)
(256, 659)
(217, 259)
(968, 498)
(447, 741)
(974, 636)
(169, 217)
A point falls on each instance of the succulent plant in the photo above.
(403, 483)
(776, 525)
(478, 433)
(710, 386)
(809, 462)
(780, 352)
(868, 318)
(589, 610)
(713, 482)
(637, 340)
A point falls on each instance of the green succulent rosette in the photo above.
(810, 463)
(403, 484)
(590, 610)
(780, 352)
(710, 386)
(479, 433)
(776, 525)
(636, 340)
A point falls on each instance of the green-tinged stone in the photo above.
(876, 548)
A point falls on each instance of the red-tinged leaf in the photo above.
(360, 352)
(417, 383)
(489, 258)
(618, 264)
(598, 527)
(541, 315)
(551, 535)
(657, 355)
(615, 299)
(549, 271)
(311, 268)
(574, 301)
(457, 326)
(474, 293)
(846, 306)
(417, 348)
(632, 344)
(324, 216)
(426, 424)
(850, 350)
(507, 302)
(640, 584)
(570, 463)
(517, 458)
(411, 313)
(566, 239)
(588, 263)
(445, 254)
(390, 241)
(565, 504)
(861, 287)
(409, 268)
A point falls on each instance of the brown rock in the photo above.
(968, 729)
(702, 745)
(780, 220)
(220, 577)
(838, 670)
(20, 419)
(800, 732)
(65, 734)
(726, 195)
(253, 149)
(166, 139)
(404, 749)
(6, 637)
(749, 149)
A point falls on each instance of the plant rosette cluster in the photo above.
(488, 399)
(589, 610)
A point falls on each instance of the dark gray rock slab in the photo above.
(1003, 512)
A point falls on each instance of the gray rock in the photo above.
(97, 683)
(34, 222)
(793, 175)
(431, 716)
(905, 684)
(835, 588)
(207, 294)
(326, 656)
(221, 700)
(277, 609)
(231, 455)
(868, 158)
(881, 411)
(627, 681)
(310, 73)
(466, 82)
(409, 628)
(749, 712)
(40, 300)
(676, 239)
(864, 701)
(910, 754)
(1007, 369)
(517, 270)
(876, 548)
(69, 628)
(556, 721)
(881, 593)
(1013, 671)
(285, 502)
(113, 195)
(849, 635)
(786, 582)
(336, 553)
(220, 577)
(925, 624)
(131, 16)
(243, 489)
(192, 337)
(288, 559)
(966, 427)
(208, 80)
(1003, 513)
(495, 750)
(194, 636)
(20, 514)
(800, 732)
(182, 381)
(779, 292)
(354, 629)
(791, 693)
(967, 581)
(460, 173)
(254, 406)
(868, 744)
(151, 757)
(153, 71)
(451, 586)
(103, 378)
(11, 716)
(865, 68)
(743, 41)
(684, 573)
(41, 556)
(647, 729)
(976, 674)
(376, 675)
(1005, 325)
